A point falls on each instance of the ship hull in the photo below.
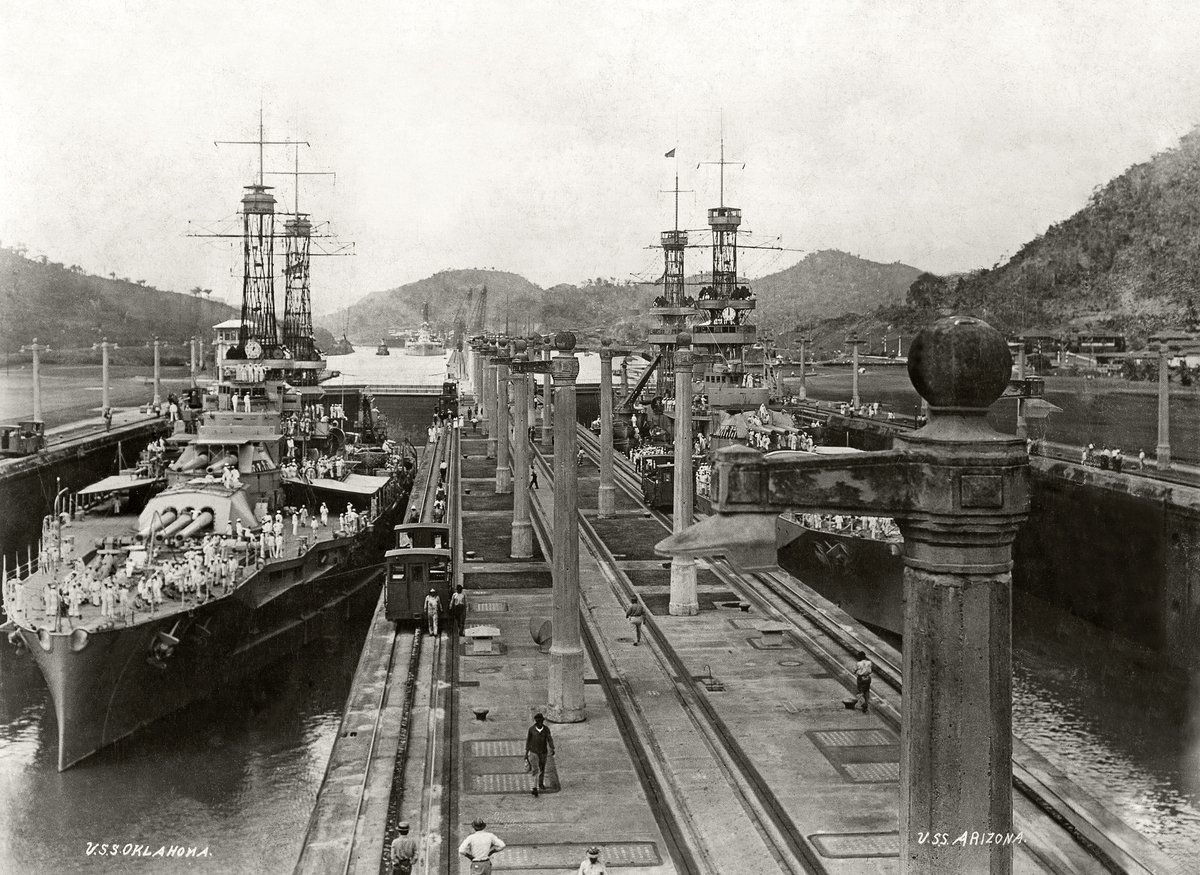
(108, 684)
(863, 576)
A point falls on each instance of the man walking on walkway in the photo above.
(404, 851)
(533, 478)
(538, 743)
(862, 675)
(636, 614)
(479, 847)
(433, 610)
(458, 610)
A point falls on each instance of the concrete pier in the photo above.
(607, 493)
(959, 491)
(1163, 450)
(566, 702)
(522, 529)
(683, 568)
(547, 406)
(503, 470)
(489, 401)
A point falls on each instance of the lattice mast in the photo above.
(726, 330)
(258, 256)
(673, 307)
(297, 242)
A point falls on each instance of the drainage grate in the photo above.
(488, 607)
(852, 737)
(500, 748)
(468, 683)
(567, 856)
(861, 756)
(857, 844)
(488, 669)
(873, 772)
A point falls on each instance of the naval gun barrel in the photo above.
(202, 521)
(163, 519)
(222, 463)
(174, 528)
(191, 465)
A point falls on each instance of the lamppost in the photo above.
(37, 349)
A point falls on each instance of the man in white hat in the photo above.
(591, 864)
(433, 610)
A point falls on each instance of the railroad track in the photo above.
(383, 757)
(763, 810)
(778, 595)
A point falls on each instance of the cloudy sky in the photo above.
(529, 136)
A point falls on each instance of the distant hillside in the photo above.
(1128, 261)
(828, 284)
(67, 308)
(596, 306)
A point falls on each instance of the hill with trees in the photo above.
(829, 284)
(70, 309)
(1128, 261)
(596, 306)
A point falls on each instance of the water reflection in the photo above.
(1117, 720)
(237, 773)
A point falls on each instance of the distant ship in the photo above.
(426, 343)
(382, 349)
(342, 347)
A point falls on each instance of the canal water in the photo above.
(236, 774)
(1101, 412)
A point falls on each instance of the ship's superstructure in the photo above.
(425, 344)
(673, 307)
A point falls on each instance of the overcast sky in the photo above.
(530, 136)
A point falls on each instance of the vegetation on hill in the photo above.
(594, 307)
(1129, 261)
(829, 284)
(70, 309)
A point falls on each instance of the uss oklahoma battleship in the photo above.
(155, 587)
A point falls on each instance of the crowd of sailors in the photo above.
(189, 572)
(1109, 458)
(875, 527)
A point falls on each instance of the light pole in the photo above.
(37, 349)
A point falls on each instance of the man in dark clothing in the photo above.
(532, 478)
(539, 743)
(404, 851)
(458, 610)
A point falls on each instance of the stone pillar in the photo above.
(158, 373)
(477, 377)
(624, 378)
(489, 403)
(522, 529)
(683, 601)
(960, 491)
(192, 359)
(37, 349)
(1022, 426)
(803, 369)
(547, 408)
(606, 502)
(1164, 407)
(854, 345)
(566, 653)
(104, 396)
(503, 470)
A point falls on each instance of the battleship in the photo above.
(426, 343)
(155, 587)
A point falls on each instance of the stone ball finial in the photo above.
(683, 339)
(959, 361)
(564, 341)
(519, 346)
